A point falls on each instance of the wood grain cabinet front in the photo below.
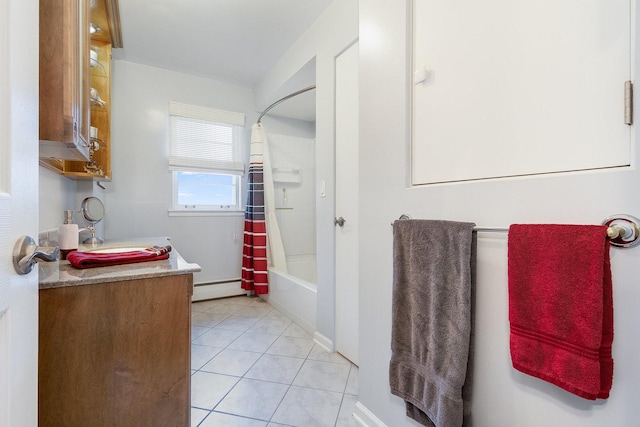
(64, 79)
(116, 354)
(76, 40)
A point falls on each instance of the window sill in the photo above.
(173, 212)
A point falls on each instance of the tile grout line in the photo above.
(294, 377)
(224, 348)
(245, 373)
(290, 385)
(263, 353)
(344, 393)
(240, 378)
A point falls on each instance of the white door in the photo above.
(347, 141)
(501, 395)
(18, 210)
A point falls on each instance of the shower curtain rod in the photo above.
(291, 95)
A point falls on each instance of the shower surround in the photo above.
(294, 292)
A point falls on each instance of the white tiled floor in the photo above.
(251, 366)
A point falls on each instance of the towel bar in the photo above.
(623, 231)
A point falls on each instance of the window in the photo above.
(205, 158)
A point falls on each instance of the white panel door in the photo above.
(519, 87)
(501, 395)
(18, 210)
(347, 141)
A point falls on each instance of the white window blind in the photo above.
(205, 139)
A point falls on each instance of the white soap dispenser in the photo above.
(67, 235)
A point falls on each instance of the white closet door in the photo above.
(347, 186)
(498, 84)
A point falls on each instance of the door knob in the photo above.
(26, 253)
(339, 221)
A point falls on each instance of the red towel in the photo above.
(92, 259)
(561, 306)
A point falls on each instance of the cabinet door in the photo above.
(64, 79)
(518, 87)
(116, 354)
(81, 116)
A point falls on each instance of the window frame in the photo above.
(181, 158)
(237, 207)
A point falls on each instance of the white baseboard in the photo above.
(217, 290)
(323, 342)
(365, 417)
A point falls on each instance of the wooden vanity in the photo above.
(114, 344)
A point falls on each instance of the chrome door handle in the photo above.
(339, 221)
(26, 253)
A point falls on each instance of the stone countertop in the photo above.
(60, 273)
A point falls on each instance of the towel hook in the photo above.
(623, 231)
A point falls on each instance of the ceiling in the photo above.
(235, 41)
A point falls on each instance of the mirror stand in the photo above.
(93, 211)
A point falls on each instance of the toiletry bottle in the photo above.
(67, 235)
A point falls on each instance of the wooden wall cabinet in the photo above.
(64, 79)
(116, 354)
(75, 89)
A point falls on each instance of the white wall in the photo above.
(139, 196)
(332, 33)
(58, 194)
(502, 396)
(292, 143)
(295, 206)
(288, 126)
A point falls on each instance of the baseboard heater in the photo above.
(217, 289)
(218, 282)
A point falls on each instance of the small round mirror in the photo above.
(92, 209)
(93, 212)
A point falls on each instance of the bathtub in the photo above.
(294, 293)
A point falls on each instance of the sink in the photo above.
(118, 250)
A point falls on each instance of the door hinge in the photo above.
(628, 102)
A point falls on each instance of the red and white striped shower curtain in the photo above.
(254, 254)
(262, 241)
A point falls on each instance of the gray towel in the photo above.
(432, 330)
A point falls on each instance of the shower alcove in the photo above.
(290, 131)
